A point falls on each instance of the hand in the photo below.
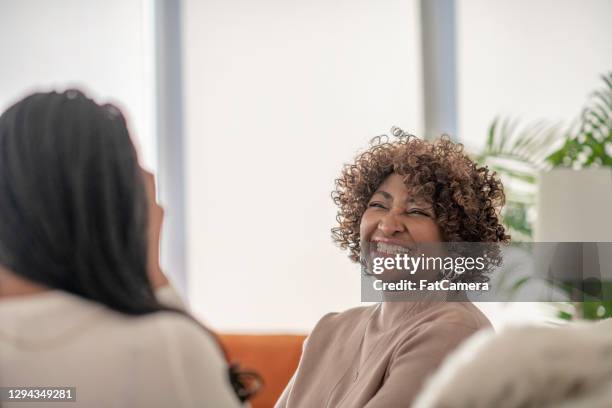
(156, 218)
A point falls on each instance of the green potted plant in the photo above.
(520, 154)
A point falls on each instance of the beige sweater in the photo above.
(378, 356)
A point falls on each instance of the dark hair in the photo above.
(73, 202)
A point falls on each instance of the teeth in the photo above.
(391, 249)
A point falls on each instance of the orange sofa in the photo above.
(274, 357)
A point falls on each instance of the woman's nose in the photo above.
(390, 224)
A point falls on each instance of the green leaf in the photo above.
(491, 136)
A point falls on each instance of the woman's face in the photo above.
(395, 221)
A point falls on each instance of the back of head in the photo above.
(73, 206)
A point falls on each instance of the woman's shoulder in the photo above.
(159, 348)
(458, 313)
(341, 323)
(347, 317)
(172, 330)
(188, 355)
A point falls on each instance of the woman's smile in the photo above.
(381, 248)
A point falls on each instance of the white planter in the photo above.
(574, 206)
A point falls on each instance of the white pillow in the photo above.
(526, 366)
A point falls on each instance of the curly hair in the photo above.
(467, 199)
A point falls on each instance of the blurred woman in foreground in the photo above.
(79, 239)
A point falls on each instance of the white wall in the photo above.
(278, 95)
(529, 59)
(103, 47)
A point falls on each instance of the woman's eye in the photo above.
(376, 205)
(417, 212)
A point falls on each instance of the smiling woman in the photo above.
(395, 196)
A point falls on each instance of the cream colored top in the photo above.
(160, 360)
(378, 356)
